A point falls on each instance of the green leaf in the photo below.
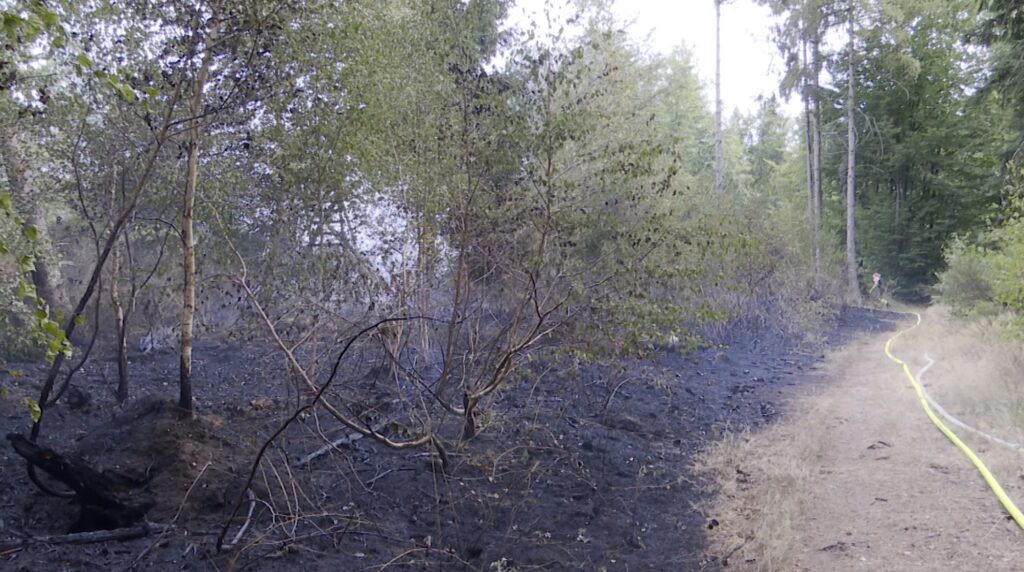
(84, 61)
(5, 201)
(33, 409)
(49, 17)
(53, 329)
(33, 25)
(11, 22)
(26, 263)
(126, 92)
(39, 314)
(23, 290)
(31, 232)
(79, 320)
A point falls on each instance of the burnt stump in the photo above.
(108, 500)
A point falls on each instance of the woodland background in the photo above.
(466, 200)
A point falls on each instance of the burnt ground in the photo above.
(585, 468)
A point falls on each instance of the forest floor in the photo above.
(856, 477)
(577, 470)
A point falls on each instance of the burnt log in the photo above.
(143, 530)
(108, 500)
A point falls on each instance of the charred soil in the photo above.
(583, 468)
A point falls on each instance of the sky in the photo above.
(751, 65)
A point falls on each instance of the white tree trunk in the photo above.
(813, 217)
(851, 179)
(187, 238)
(816, 197)
(719, 175)
(115, 301)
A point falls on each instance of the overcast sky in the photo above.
(751, 65)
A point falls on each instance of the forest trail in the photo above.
(858, 478)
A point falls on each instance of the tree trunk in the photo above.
(851, 176)
(813, 217)
(115, 300)
(719, 175)
(902, 181)
(47, 276)
(188, 306)
(816, 197)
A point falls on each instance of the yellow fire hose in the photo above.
(985, 473)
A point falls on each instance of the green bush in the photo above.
(27, 330)
(986, 279)
(967, 280)
(1008, 266)
(17, 340)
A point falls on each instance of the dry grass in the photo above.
(758, 502)
(977, 379)
(854, 477)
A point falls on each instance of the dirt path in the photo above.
(857, 478)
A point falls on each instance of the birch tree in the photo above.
(188, 305)
(851, 166)
(719, 175)
(224, 39)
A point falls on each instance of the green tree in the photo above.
(923, 184)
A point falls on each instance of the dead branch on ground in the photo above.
(130, 533)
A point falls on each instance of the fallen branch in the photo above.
(347, 439)
(248, 519)
(86, 537)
